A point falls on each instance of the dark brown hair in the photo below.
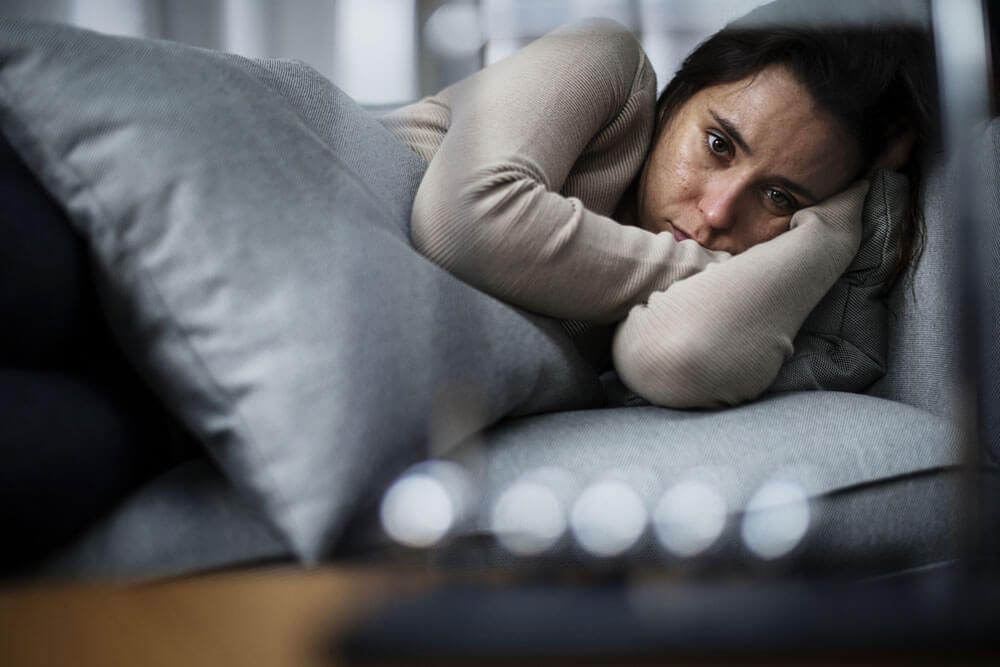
(877, 81)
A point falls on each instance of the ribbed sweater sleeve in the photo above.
(529, 157)
(538, 149)
(719, 338)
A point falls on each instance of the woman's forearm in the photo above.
(547, 253)
(719, 337)
(570, 113)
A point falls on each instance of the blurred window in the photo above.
(388, 52)
(668, 29)
(367, 47)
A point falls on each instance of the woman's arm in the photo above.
(578, 104)
(719, 337)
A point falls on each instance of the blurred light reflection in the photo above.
(528, 518)
(530, 515)
(608, 518)
(689, 517)
(455, 30)
(426, 504)
(776, 518)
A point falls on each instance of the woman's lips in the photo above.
(678, 234)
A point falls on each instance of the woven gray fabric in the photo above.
(890, 526)
(922, 344)
(989, 263)
(923, 324)
(843, 448)
(904, 521)
(833, 439)
(248, 222)
(191, 518)
(842, 344)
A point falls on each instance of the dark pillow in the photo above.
(842, 344)
(45, 304)
(248, 225)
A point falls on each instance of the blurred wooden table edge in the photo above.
(260, 617)
(267, 616)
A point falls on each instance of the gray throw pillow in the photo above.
(842, 344)
(248, 226)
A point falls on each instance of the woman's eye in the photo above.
(780, 199)
(718, 145)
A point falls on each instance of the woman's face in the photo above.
(737, 160)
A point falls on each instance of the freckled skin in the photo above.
(698, 181)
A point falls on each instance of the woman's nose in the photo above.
(719, 200)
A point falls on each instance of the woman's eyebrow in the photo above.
(731, 130)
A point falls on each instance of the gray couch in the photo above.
(879, 467)
(887, 492)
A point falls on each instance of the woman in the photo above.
(557, 182)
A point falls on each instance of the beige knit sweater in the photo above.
(529, 160)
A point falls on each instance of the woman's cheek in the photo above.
(775, 228)
(676, 173)
(682, 175)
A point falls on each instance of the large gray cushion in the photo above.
(881, 439)
(880, 477)
(831, 443)
(248, 227)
